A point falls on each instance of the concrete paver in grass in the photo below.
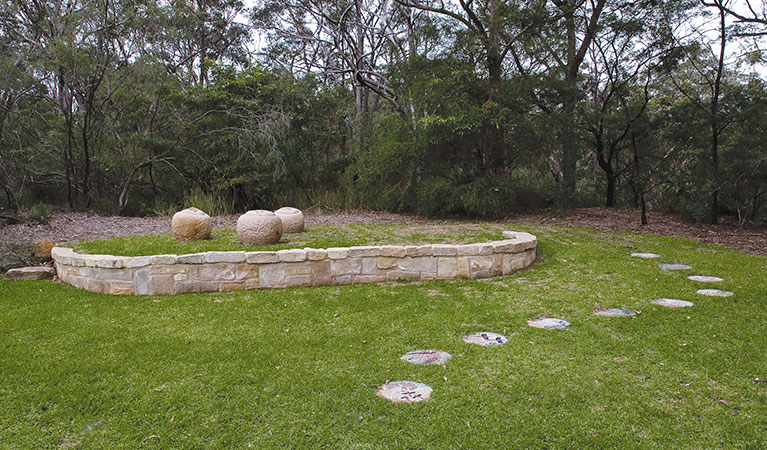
(548, 323)
(405, 391)
(424, 357)
(616, 312)
(715, 293)
(485, 339)
(674, 266)
(672, 303)
(645, 255)
(705, 279)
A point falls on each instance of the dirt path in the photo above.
(68, 227)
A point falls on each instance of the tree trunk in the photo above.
(715, 119)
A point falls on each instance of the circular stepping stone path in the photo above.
(485, 339)
(426, 357)
(405, 391)
(646, 255)
(705, 279)
(674, 266)
(672, 303)
(548, 324)
(614, 312)
(714, 293)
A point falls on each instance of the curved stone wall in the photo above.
(238, 270)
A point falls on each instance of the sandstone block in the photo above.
(225, 257)
(293, 255)
(398, 275)
(272, 275)
(30, 273)
(485, 249)
(338, 253)
(259, 227)
(230, 286)
(447, 268)
(387, 263)
(315, 254)
(342, 280)
(188, 287)
(357, 252)
(161, 284)
(506, 246)
(136, 261)
(191, 224)
(246, 272)
(292, 219)
(396, 251)
(298, 269)
(418, 250)
(321, 273)
(369, 266)
(477, 263)
(162, 259)
(444, 250)
(191, 258)
(120, 288)
(348, 266)
(425, 264)
(509, 234)
(261, 257)
(298, 280)
(467, 250)
(216, 272)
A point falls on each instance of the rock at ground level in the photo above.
(191, 224)
(405, 391)
(31, 273)
(42, 250)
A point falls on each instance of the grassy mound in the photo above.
(322, 236)
(299, 367)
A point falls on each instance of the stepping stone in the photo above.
(485, 339)
(31, 273)
(714, 293)
(614, 312)
(426, 357)
(705, 279)
(672, 303)
(674, 266)
(646, 255)
(548, 324)
(405, 392)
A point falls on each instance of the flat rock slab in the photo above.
(674, 266)
(672, 303)
(715, 293)
(706, 279)
(424, 357)
(485, 339)
(646, 255)
(405, 392)
(548, 324)
(31, 273)
(615, 312)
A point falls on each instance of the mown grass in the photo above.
(321, 236)
(298, 368)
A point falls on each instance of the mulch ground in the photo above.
(68, 227)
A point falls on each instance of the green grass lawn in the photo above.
(299, 367)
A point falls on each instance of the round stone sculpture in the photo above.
(259, 227)
(191, 224)
(292, 219)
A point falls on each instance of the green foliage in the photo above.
(213, 204)
(40, 213)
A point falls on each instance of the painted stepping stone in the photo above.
(714, 293)
(674, 266)
(646, 255)
(405, 391)
(485, 339)
(706, 279)
(672, 303)
(548, 324)
(614, 312)
(426, 357)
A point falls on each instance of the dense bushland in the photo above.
(480, 109)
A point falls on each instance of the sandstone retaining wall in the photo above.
(238, 270)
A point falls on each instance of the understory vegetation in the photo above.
(300, 366)
(481, 109)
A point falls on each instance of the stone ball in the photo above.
(259, 227)
(191, 224)
(292, 219)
